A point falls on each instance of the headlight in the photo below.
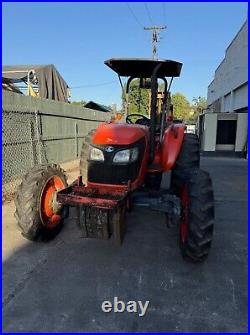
(125, 156)
(96, 155)
(134, 154)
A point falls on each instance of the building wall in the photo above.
(208, 134)
(228, 91)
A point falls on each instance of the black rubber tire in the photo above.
(200, 217)
(187, 161)
(85, 152)
(27, 202)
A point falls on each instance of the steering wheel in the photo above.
(139, 119)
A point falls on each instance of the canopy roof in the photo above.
(96, 106)
(143, 67)
(50, 83)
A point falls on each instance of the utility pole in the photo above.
(155, 38)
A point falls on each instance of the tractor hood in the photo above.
(119, 134)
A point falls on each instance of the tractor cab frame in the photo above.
(144, 69)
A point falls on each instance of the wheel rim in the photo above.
(49, 217)
(185, 209)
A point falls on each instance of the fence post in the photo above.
(38, 135)
(32, 143)
(76, 139)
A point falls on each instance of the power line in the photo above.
(94, 85)
(133, 14)
(164, 12)
(148, 12)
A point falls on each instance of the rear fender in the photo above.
(171, 145)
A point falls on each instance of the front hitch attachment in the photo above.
(100, 211)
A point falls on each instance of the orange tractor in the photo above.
(125, 163)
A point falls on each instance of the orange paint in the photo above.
(171, 145)
(49, 218)
(136, 183)
(119, 133)
(118, 116)
(166, 153)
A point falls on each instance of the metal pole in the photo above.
(154, 87)
(38, 134)
(155, 38)
(33, 145)
(76, 139)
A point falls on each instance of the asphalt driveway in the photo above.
(60, 286)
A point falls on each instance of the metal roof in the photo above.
(144, 67)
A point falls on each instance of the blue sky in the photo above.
(78, 37)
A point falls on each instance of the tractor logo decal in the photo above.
(109, 149)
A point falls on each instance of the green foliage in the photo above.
(138, 99)
(183, 109)
(200, 103)
(182, 106)
(79, 103)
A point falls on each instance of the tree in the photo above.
(139, 102)
(78, 103)
(138, 99)
(200, 102)
(198, 105)
(182, 108)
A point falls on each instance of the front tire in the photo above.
(37, 213)
(197, 221)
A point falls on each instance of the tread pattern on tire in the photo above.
(27, 202)
(187, 161)
(84, 153)
(201, 217)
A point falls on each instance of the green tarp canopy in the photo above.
(50, 83)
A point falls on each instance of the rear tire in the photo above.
(187, 161)
(39, 187)
(85, 152)
(197, 221)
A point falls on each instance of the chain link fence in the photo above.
(18, 152)
(38, 131)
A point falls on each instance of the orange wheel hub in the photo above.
(49, 217)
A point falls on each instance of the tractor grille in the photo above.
(111, 173)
